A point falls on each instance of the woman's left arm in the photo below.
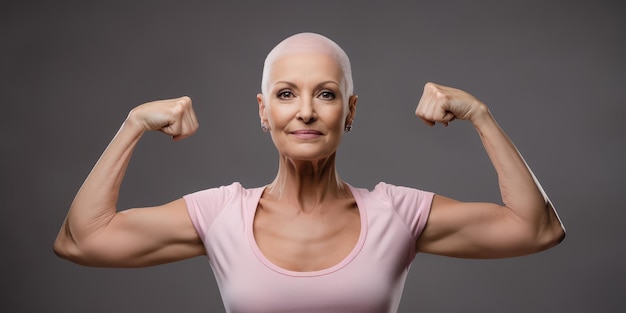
(525, 223)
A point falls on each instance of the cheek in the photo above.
(337, 117)
(278, 116)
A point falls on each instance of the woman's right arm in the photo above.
(94, 233)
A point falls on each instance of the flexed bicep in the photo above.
(95, 233)
(474, 230)
(525, 223)
(142, 237)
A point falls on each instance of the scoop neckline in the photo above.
(325, 271)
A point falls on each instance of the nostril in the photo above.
(307, 119)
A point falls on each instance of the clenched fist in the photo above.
(441, 104)
(174, 117)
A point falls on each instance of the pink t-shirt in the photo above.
(370, 279)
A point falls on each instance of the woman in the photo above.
(308, 241)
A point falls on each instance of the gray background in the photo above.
(552, 73)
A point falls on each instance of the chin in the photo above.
(308, 155)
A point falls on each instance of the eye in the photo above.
(327, 95)
(284, 94)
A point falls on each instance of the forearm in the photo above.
(519, 188)
(95, 203)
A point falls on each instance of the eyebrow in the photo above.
(293, 85)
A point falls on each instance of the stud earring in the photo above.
(348, 128)
(265, 128)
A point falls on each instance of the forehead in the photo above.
(305, 43)
(300, 67)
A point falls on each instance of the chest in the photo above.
(369, 279)
(307, 242)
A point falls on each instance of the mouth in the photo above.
(306, 133)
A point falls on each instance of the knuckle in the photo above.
(440, 96)
(420, 112)
(184, 102)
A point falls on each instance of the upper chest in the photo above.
(300, 241)
(367, 276)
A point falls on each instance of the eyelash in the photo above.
(284, 94)
(325, 94)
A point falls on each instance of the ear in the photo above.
(351, 109)
(261, 101)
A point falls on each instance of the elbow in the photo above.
(90, 251)
(60, 250)
(550, 236)
(549, 232)
(554, 231)
(73, 253)
(557, 235)
(62, 241)
(66, 247)
(531, 239)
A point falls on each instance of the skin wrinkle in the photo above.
(315, 169)
(311, 45)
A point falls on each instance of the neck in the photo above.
(307, 184)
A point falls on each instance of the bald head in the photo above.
(309, 43)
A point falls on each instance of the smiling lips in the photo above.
(306, 133)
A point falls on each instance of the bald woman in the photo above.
(307, 241)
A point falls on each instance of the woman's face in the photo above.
(304, 106)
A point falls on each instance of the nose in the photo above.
(307, 112)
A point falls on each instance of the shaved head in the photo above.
(312, 43)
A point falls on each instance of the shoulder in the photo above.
(204, 206)
(221, 195)
(223, 192)
(404, 200)
(411, 205)
(212, 199)
(398, 194)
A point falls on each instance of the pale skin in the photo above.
(306, 219)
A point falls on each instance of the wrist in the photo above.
(133, 125)
(481, 114)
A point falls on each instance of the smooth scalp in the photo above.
(309, 43)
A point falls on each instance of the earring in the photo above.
(265, 128)
(348, 128)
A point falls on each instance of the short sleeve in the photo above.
(412, 205)
(204, 206)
